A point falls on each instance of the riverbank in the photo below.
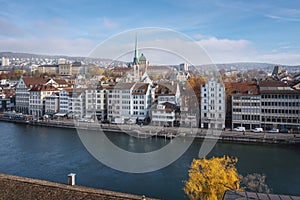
(169, 132)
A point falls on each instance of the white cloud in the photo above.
(160, 48)
(226, 50)
(280, 58)
(53, 46)
(283, 18)
(108, 23)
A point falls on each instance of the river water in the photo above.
(52, 153)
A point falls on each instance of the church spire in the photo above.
(136, 58)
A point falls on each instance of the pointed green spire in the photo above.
(136, 57)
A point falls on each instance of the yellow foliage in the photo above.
(210, 178)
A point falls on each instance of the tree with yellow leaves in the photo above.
(210, 178)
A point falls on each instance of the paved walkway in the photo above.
(148, 130)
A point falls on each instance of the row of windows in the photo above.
(212, 101)
(280, 120)
(212, 95)
(211, 108)
(120, 91)
(162, 117)
(166, 98)
(137, 113)
(246, 104)
(137, 102)
(248, 110)
(280, 104)
(136, 107)
(125, 96)
(280, 111)
(246, 98)
(212, 115)
(279, 96)
(246, 117)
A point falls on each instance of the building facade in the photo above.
(213, 105)
(22, 92)
(37, 97)
(280, 106)
(246, 105)
(96, 102)
(52, 103)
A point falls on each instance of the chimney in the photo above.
(71, 179)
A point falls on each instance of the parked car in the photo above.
(240, 129)
(274, 130)
(283, 130)
(257, 130)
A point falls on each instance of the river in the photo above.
(52, 153)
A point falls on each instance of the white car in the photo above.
(240, 129)
(257, 130)
(274, 130)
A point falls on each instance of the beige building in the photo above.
(65, 69)
(51, 69)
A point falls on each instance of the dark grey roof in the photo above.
(232, 194)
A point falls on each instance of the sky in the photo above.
(229, 30)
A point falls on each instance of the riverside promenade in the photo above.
(168, 132)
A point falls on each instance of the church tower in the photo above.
(136, 67)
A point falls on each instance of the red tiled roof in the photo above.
(121, 86)
(166, 89)
(61, 81)
(31, 81)
(43, 88)
(272, 84)
(140, 88)
(244, 88)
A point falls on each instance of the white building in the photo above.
(167, 107)
(213, 105)
(119, 100)
(77, 103)
(164, 114)
(37, 95)
(129, 101)
(27, 83)
(142, 101)
(168, 92)
(96, 102)
(65, 105)
(5, 61)
(22, 92)
(52, 103)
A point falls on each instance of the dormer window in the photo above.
(237, 91)
(250, 92)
